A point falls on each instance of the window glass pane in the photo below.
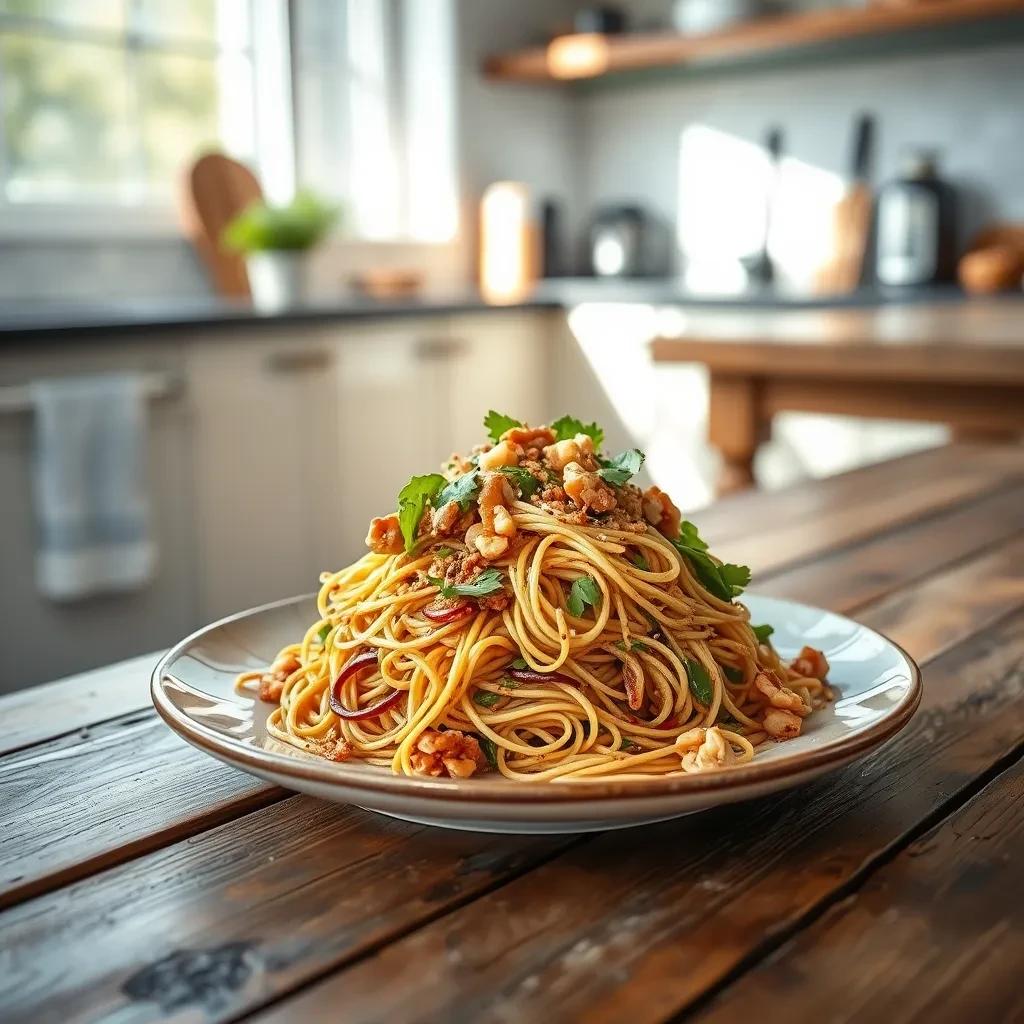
(95, 14)
(65, 120)
(178, 113)
(181, 19)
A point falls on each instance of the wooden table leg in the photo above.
(736, 427)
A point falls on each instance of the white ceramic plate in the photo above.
(878, 687)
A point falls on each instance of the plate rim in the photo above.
(497, 792)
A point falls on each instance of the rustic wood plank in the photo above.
(118, 789)
(897, 558)
(737, 515)
(935, 935)
(640, 924)
(305, 892)
(75, 702)
(786, 542)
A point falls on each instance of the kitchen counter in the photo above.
(59, 321)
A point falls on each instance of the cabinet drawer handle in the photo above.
(298, 362)
(434, 349)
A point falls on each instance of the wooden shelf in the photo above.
(762, 38)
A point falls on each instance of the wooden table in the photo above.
(141, 880)
(956, 363)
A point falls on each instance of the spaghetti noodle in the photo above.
(533, 612)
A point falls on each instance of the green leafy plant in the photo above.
(300, 225)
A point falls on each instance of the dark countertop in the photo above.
(65, 321)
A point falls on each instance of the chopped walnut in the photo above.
(811, 663)
(661, 513)
(587, 489)
(450, 753)
(272, 682)
(574, 449)
(780, 696)
(781, 724)
(332, 748)
(385, 536)
(527, 437)
(709, 750)
(505, 453)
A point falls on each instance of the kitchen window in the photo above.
(105, 103)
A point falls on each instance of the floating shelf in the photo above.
(592, 57)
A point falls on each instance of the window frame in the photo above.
(153, 217)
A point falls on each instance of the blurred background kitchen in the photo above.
(261, 260)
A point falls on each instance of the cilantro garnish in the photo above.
(485, 698)
(628, 744)
(763, 633)
(488, 582)
(520, 664)
(724, 580)
(640, 562)
(522, 478)
(734, 675)
(412, 501)
(583, 593)
(497, 423)
(700, 682)
(462, 489)
(444, 551)
(634, 645)
(568, 426)
(490, 749)
(323, 631)
(617, 471)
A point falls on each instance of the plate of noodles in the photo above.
(533, 643)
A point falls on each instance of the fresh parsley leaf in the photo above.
(628, 744)
(640, 562)
(497, 423)
(523, 479)
(583, 593)
(763, 633)
(508, 683)
(444, 552)
(485, 698)
(520, 663)
(725, 581)
(490, 749)
(489, 581)
(462, 489)
(568, 426)
(690, 537)
(412, 501)
(634, 645)
(734, 675)
(323, 631)
(700, 682)
(619, 469)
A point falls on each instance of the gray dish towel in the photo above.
(90, 489)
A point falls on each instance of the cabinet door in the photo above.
(42, 639)
(265, 440)
(394, 394)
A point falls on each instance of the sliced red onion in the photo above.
(359, 663)
(446, 615)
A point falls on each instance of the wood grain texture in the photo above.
(212, 897)
(80, 803)
(638, 925)
(295, 888)
(933, 936)
(75, 702)
(896, 558)
(757, 37)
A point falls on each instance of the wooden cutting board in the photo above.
(217, 189)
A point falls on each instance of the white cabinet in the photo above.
(41, 639)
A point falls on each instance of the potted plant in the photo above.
(276, 242)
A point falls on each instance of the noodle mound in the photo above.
(534, 613)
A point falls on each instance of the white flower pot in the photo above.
(278, 278)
